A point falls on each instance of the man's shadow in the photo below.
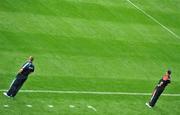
(159, 110)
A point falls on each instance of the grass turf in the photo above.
(89, 46)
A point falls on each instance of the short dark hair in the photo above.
(169, 72)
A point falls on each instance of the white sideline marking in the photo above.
(91, 92)
(50, 106)
(6, 106)
(29, 106)
(91, 107)
(71, 106)
(152, 18)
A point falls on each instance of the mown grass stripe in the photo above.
(155, 20)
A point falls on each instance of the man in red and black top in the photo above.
(166, 79)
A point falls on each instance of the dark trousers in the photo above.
(157, 92)
(16, 85)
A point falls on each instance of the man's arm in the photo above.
(20, 70)
(160, 84)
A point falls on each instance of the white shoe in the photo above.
(6, 94)
(148, 105)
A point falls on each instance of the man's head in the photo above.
(31, 58)
(169, 72)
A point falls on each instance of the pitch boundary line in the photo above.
(155, 20)
(91, 92)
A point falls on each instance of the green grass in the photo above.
(104, 104)
(89, 45)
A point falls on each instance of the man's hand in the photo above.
(20, 70)
(160, 84)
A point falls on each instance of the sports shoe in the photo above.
(6, 94)
(148, 105)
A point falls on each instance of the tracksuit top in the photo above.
(166, 80)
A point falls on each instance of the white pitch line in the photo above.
(71, 106)
(29, 106)
(91, 92)
(91, 107)
(6, 106)
(50, 106)
(152, 18)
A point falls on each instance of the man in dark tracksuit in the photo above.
(21, 77)
(166, 79)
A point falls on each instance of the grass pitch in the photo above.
(89, 45)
